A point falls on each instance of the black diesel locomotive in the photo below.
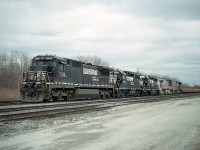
(52, 78)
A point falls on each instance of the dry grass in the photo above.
(9, 94)
(190, 89)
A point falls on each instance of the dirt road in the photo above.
(173, 125)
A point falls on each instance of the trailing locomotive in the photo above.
(52, 78)
(169, 86)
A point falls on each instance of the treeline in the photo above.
(12, 64)
(156, 75)
(95, 60)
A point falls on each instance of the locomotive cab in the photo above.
(35, 82)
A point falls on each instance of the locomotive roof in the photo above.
(153, 77)
(130, 72)
(51, 57)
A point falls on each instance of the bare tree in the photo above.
(12, 64)
(24, 61)
(156, 75)
(3, 62)
(95, 60)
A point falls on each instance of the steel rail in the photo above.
(52, 110)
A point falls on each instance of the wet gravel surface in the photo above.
(171, 124)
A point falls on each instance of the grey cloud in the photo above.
(170, 9)
(46, 33)
(155, 36)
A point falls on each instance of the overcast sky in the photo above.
(155, 36)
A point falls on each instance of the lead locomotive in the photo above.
(55, 78)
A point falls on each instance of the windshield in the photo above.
(41, 68)
(43, 63)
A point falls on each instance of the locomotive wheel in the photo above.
(127, 94)
(45, 100)
(137, 93)
(55, 98)
(66, 97)
(70, 96)
(108, 95)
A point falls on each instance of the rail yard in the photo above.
(56, 87)
(99, 75)
(162, 122)
(15, 111)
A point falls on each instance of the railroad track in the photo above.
(16, 112)
(6, 103)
